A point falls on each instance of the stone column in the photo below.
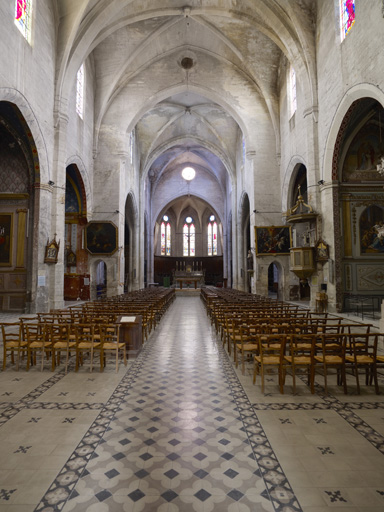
(57, 228)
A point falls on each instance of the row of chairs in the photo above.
(315, 353)
(270, 334)
(49, 341)
(91, 328)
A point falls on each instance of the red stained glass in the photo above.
(21, 7)
(347, 16)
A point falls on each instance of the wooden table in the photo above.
(187, 279)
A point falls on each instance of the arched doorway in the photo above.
(273, 281)
(101, 280)
(76, 274)
(131, 260)
(359, 205)
(245, 245)
(19, 171)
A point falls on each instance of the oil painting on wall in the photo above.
(372, 230)
(101, 238)
(272, 240)
(5, 239)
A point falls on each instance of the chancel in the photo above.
(191, 255)
(189, 271)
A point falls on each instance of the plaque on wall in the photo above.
(101, 238)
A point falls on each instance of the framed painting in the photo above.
(272, 240)
(51, 251)
(6, 234)
(101, 238)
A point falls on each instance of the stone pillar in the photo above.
(57, 228)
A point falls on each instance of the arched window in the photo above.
(23, 17)
(347, 17)
(292, 91)
(212, 236)
(80, 91)
(189, 233)
(165, 231)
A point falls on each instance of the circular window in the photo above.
(187, 63)
(165, 218)
(212, 218)
(188, 173)
(188, 220)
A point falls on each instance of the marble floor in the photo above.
(181, 429)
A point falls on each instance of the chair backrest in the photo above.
(362, 344)
(272, 345)
(333, 344)
(11, 331)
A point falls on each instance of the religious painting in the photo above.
(363, 156)
(372, 230)
(51, 251)
(101, 238)
(6, 228)
(322, 251)
(272, 240)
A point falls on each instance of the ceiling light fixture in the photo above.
(188, 173)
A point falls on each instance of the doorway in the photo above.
(273, 281)
(101, 280)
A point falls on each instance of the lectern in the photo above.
(131, 333)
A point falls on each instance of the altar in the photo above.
(187, 274)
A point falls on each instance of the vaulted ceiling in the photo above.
(192, 77)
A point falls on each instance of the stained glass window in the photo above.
(80, 91)
(209, 239)
(23, 17)
(347, 16)
(212, 236)
(185, 240)
(189, 233)
(292, 90)
(192, 240)
(165, 237)
(214, 239)
(168, 240)
(162, 235)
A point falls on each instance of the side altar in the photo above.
(188, 274)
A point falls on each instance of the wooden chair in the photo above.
(37, 343)
(271, 354)
(248, 345)
(59, 337)
(86, 343)
(300, 355)
(329, 352)
(363, 356)
(13, 342)
(110, 335)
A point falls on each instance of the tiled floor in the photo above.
(181, 430)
